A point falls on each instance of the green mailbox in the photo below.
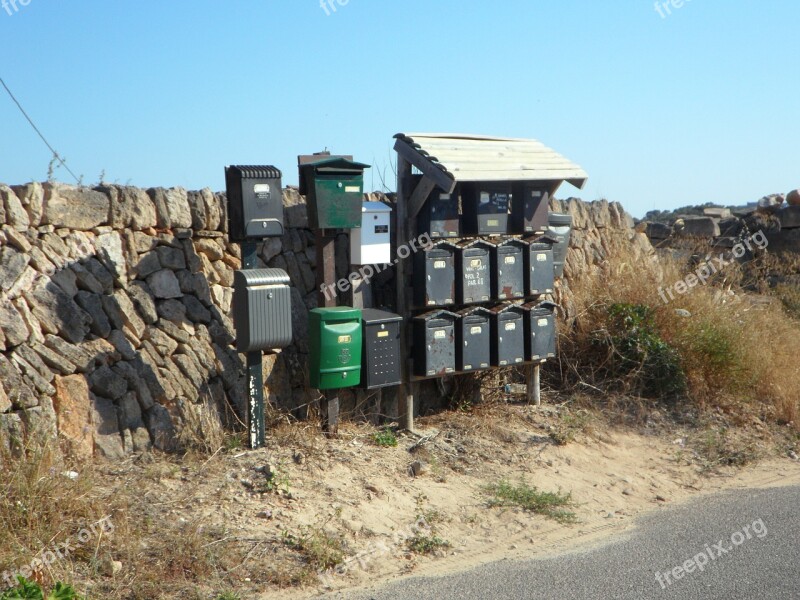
(334, 359)
(334, 190)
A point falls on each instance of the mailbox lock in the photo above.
(269, 296)
(339, 184)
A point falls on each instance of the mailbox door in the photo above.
(334, 348)
(381, 351)
(262, 309)
(434, 347)
(543, 334)
(473, 343)
(509, 268)
(474, 277)
(540, 272)
(439, 217)
(337, 200)
(492, 209)
(434, 278)
(529, 209)
(508, 343)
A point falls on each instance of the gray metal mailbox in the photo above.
(473, 339)
(262, 309)
(508, 269)
(540, 331)
(255, 202)
(434, 275)
(539, 269)
(434, 343)
(508, 335)
(473, 271)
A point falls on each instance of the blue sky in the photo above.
(699, 105)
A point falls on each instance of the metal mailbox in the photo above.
(334, 358)
(539, 269)
(560, 227)
(473, 271)
(473, 339)
(434, 343)
(262, 309)
(334, 188)
(372, 244)
(529, 208)
(508, 268)
(255, 202)
(485, 208)
(380, 353)
(439, 216)
(540, 331)
(435, 275)
(508, 335)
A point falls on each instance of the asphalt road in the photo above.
(759, 557)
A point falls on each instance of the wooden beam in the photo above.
(421, 193)
(440, 177)
(405, 391)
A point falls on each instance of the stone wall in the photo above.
(115, 326)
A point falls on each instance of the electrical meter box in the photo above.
(539, 269)
(473, 272)
(508, 268)
(262, 309)
(334, 188)
(540, 331)
(473, 339)
(255, 202)
(439, 215)
(435, 275)
(434, 343)
(508, 335)
(529, 208)
(380, 354)
(485, 208)
(560, 227)
(371, 244)
(334, 357)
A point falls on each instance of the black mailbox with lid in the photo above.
(473, 271)
(539, 268)
(380, 354)
(508, 335)
(485, 208)
(529, 208)
(255, 202)
(508, 267)
(540, 331)
(434, 343)
(439, 215)
(473, 339)
(434, 275)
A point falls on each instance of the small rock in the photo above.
(682, 312)
(661, 499)
(793, 455)
(111, 568)
(246, 483)
(299, 458)
(627, 492)
(264, 514)
(419, 468)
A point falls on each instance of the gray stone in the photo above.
(55, 249)
(130, 412)
(85, 280)
(18, 393)
(113, 311)
(195, 311)
(299, 321)
(33, 377)
(110, 252)
(171, 258)
(15, 215)
(66, 280)
(74, 208)
(107, 438)
(57, 362)
(130, 316)
(122, 344)
(40, 262)
(17, 239)
(12, 265)
(105, 382)
(5, 403)
(197, 208)
(164, 343)
(35, 361)
(717, 212)
(162, 430)
(158, 197)
(789, 217)
(210, 247)
(193, 261)
(130, 207)
(12, 434)
(73, 354)
(143, 242)
(172, 310)
(32, 197)
(793, 198)
(100, 273)
(143, 300)
(11, 324)
(700, 227)
(307, 273)
(224, 273)
(164, 284)
(41, 421)
(190, 369)
(294, 209)
(101, 351)
(272, 247)
(147, 264)
(56, 311)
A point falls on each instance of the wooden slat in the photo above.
(426, 167)
(405, 392)
(421, 193)
(546, 175)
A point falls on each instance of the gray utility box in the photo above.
(529, 208)
(508, 335)
(508, 266)
(473, 271)
(473, 339)
(262, 309)
(255, 202)
(540, 330)
(380, 354)
(434, 343)
(434, 276)
(539, 269)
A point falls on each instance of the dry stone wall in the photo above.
(115, 327)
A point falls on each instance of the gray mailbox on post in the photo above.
(262, 309)
(255, 202)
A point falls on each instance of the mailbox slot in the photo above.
(334, 359)
(508, 267)
(529, 208)
(434, 343)
(508, 335)
(435, 275)
(485, 207)
(540, 329)
(473, 339)
(262, 309)
(539, 269)
(371, 244)
(334, 189)
(255, 202)
(439, 215)
(380, 354)
(473, 272)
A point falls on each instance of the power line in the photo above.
(36, 129)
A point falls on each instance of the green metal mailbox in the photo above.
(334, 359)
(334, 189)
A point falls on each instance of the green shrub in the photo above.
(28, 590)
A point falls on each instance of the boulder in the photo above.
(57, 312)
(15, 215)
(704, 227)
(74, 413)
(74, 208)
(793, 198)
(295, 213)
(32, 197)
(12, 327)
(107, 437)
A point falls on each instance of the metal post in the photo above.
(255, 374)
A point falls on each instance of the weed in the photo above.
(718, 448)
(571, 424)
(426, 544)
(385, 438)
(228, 596)
(321, 550)
(530, 498)
(28, 590)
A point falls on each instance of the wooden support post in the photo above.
(534, 389)
(255, 373)
(326, 297)
(407, 389)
